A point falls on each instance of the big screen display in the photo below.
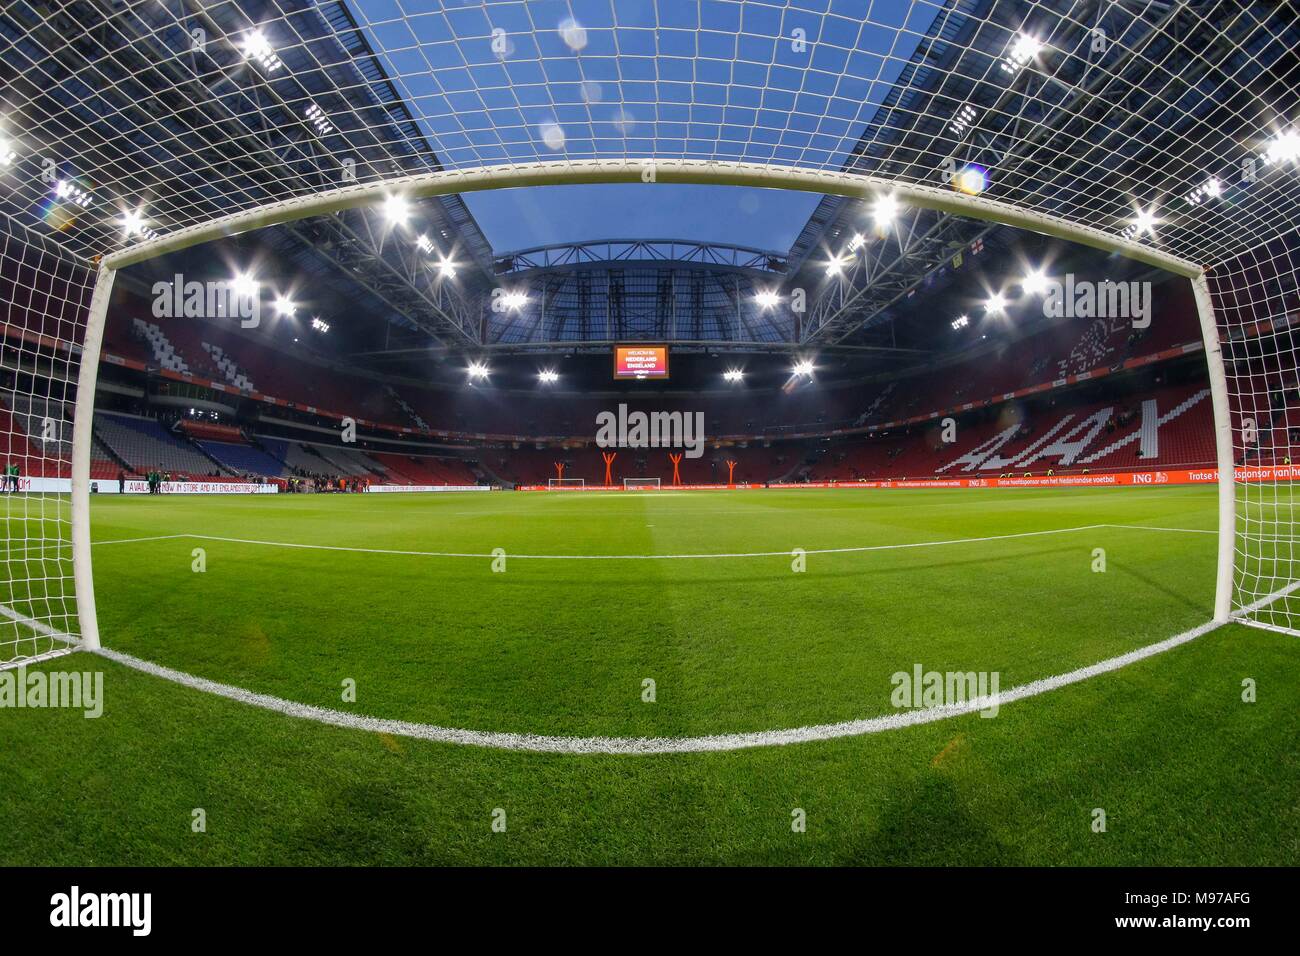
(641, 361)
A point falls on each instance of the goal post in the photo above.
(566, 484)
(631, 483)
(1227, 509)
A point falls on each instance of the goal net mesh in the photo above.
(1257, 306)
(640, 482)
(43, 296)
(1169, 126)
(566, 483)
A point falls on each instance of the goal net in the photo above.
(630, 483)
(1257, 306)
(1166, 133)
(566, 483)
(43, 295)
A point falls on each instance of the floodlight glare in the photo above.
(995, 303)
(244, 285)
(733, 375)
(477, 370)
(767, 299)
(884, 211)
(396, 210)
(835, 266)
(1035, 283)
(804, 367)
(972, 180)
(1285, 147)
(285, 306)
(548, 376)
(1144, 221)
(258, 47)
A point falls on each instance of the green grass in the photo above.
(1186, 771)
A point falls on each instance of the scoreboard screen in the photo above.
(640, 361)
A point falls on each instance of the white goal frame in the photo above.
(630, 483)
(553, 483)
(633, 170)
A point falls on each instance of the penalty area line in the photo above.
(615, 557)
(643, 746)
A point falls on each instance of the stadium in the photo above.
(649, 433)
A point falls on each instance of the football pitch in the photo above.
(561, 641)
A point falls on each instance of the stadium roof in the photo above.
(1116, 116)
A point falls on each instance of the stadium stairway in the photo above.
(164, 352)
(226, 365)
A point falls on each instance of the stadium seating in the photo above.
(243, 459)
(147, 445)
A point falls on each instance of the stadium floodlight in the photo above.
(134, 224)
(857, 242)
(965, 118)
(424, 243)
(1212, 188)
(285, 307)
(316, 116)
(767, 299)
(995, 303)
(733, 375)
(257, 47)
(1285, 147)
(447, 269)
(7, 153)
(804, 367)
(548, 376)
(319, 325)
(836, 265)
(244, 285)
(477, 370)
(961, 322)
(514, 300)
(1034, 282)
(1023, 49)
(68, 191)
(1144, 222)
(885, 211)
(396, 210)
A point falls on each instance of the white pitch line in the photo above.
(156, 537)
(640, 746)
(615, 557)
(40, 627)
(1146, 527)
